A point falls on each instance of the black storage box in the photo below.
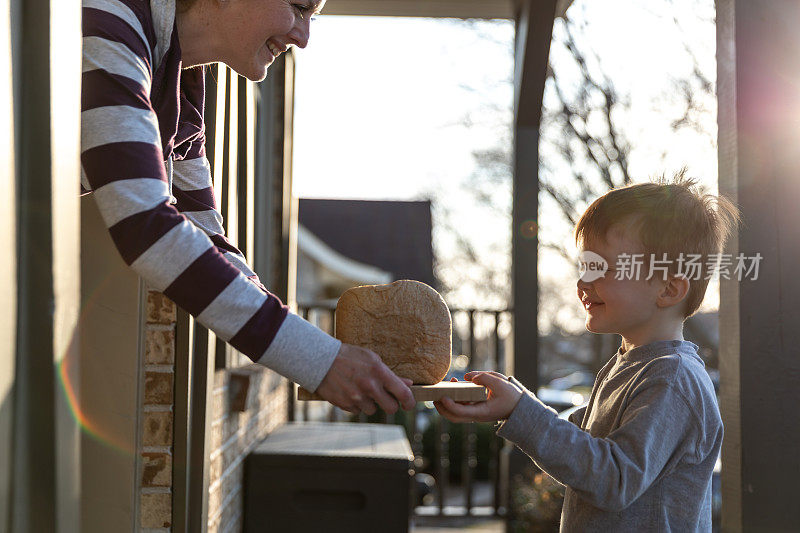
(331, 477)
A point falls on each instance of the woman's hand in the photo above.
(503, 398)
(358, 379)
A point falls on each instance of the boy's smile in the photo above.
(589, 304)
(629, 305)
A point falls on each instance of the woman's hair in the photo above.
(673, 217)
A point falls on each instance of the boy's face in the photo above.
(625, 306)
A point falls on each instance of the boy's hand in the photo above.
(503, 398)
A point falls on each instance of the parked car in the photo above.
(424, 488)
(566, 412)
(579, 378)
(560, 399)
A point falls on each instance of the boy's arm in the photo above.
(612, 472)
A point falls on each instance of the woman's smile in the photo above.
(275, 48)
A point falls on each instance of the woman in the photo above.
(143, 157)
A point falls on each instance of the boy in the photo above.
(640, 455)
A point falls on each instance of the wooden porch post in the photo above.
(275, 212)
(758, 57)
(8, 269)
(274, 215)
(534, 31)
(46, 76)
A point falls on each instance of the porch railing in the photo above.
(465, 460)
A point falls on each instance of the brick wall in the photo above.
(259, 392)
(157, 412)
(234, 434)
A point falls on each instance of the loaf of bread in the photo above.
(406, 322)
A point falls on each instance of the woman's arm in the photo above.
(122, 163)
(192, 184)
(194, 191)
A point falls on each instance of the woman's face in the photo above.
(251, 33)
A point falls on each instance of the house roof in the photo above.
(394, 236)
(338, 264)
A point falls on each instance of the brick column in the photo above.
(155, 511)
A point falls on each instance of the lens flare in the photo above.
(69, 382)
(529, 229)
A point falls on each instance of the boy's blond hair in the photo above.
(668, 216)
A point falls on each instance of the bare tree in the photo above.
(579, 133)
(585, 150)
(579, 130)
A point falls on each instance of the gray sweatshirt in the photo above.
(640, 455)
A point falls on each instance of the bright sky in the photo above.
(377, 117)
(381, 102)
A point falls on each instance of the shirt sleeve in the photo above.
(612, 472)
(194, 192)
(122, 163)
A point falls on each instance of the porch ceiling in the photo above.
(487, 9)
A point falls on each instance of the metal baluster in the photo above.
(442, 453)
(416, 449)
(290, 400)
(304, 312)
(362, 418)
(468, 445)
(458, 349)
(333, 413)
(496, 443)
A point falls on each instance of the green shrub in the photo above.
(454, 444)
(536, 501)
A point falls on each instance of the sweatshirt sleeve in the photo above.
(612, 472)
(122, 163)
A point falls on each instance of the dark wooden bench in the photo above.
(332, 477)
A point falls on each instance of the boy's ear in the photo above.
(673, 291)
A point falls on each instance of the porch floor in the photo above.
(473, 524)
(427, 519)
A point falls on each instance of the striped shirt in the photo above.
(143, 158)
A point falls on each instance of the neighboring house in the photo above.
(323, 273)
(347, 243)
